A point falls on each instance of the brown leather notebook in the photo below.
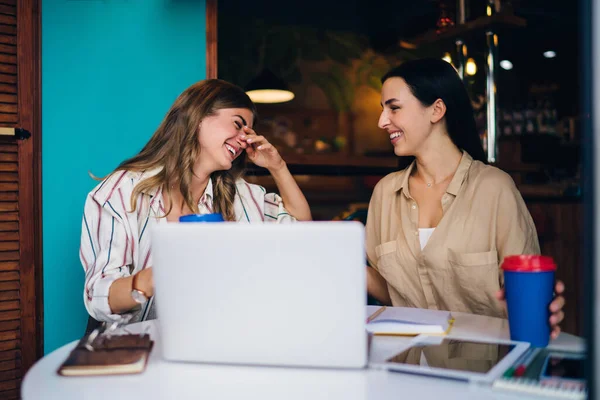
(114, 355)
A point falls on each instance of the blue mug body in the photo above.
(214, 217)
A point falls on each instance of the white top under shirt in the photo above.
(424, 235)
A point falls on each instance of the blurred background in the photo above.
(331, 58)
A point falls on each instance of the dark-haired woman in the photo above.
(438, 230)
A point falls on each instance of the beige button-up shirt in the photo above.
(484, 220)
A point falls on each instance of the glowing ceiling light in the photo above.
(268, 88)
(471, 67)
(270, 96)
(550, 54)
(507, 65)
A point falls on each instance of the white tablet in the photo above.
(461, 359)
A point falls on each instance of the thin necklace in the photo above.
(429, 184)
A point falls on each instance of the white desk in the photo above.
(166, 380)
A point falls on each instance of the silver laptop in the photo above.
(262, 294)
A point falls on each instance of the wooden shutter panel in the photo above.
(20, 255)
(10, 353)
(10, 300)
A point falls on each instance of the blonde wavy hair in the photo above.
(175, 147)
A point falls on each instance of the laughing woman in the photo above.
(192, 164)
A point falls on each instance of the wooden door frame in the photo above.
(211, 39)
(30, 183)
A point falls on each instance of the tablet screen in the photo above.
(453, 354)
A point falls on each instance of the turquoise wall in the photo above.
(110, 71)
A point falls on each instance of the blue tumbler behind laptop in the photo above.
(214, 217)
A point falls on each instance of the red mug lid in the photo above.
(528, 263)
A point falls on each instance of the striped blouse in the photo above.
(115, 242)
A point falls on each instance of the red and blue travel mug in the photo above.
(529, 290)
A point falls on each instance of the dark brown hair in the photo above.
(430, 79)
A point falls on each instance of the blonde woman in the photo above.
(192, 164)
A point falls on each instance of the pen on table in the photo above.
(376, 314)
(511, 371)
(520, 370)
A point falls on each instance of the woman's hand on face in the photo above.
(260, 151)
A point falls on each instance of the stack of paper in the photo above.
(407, 321)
